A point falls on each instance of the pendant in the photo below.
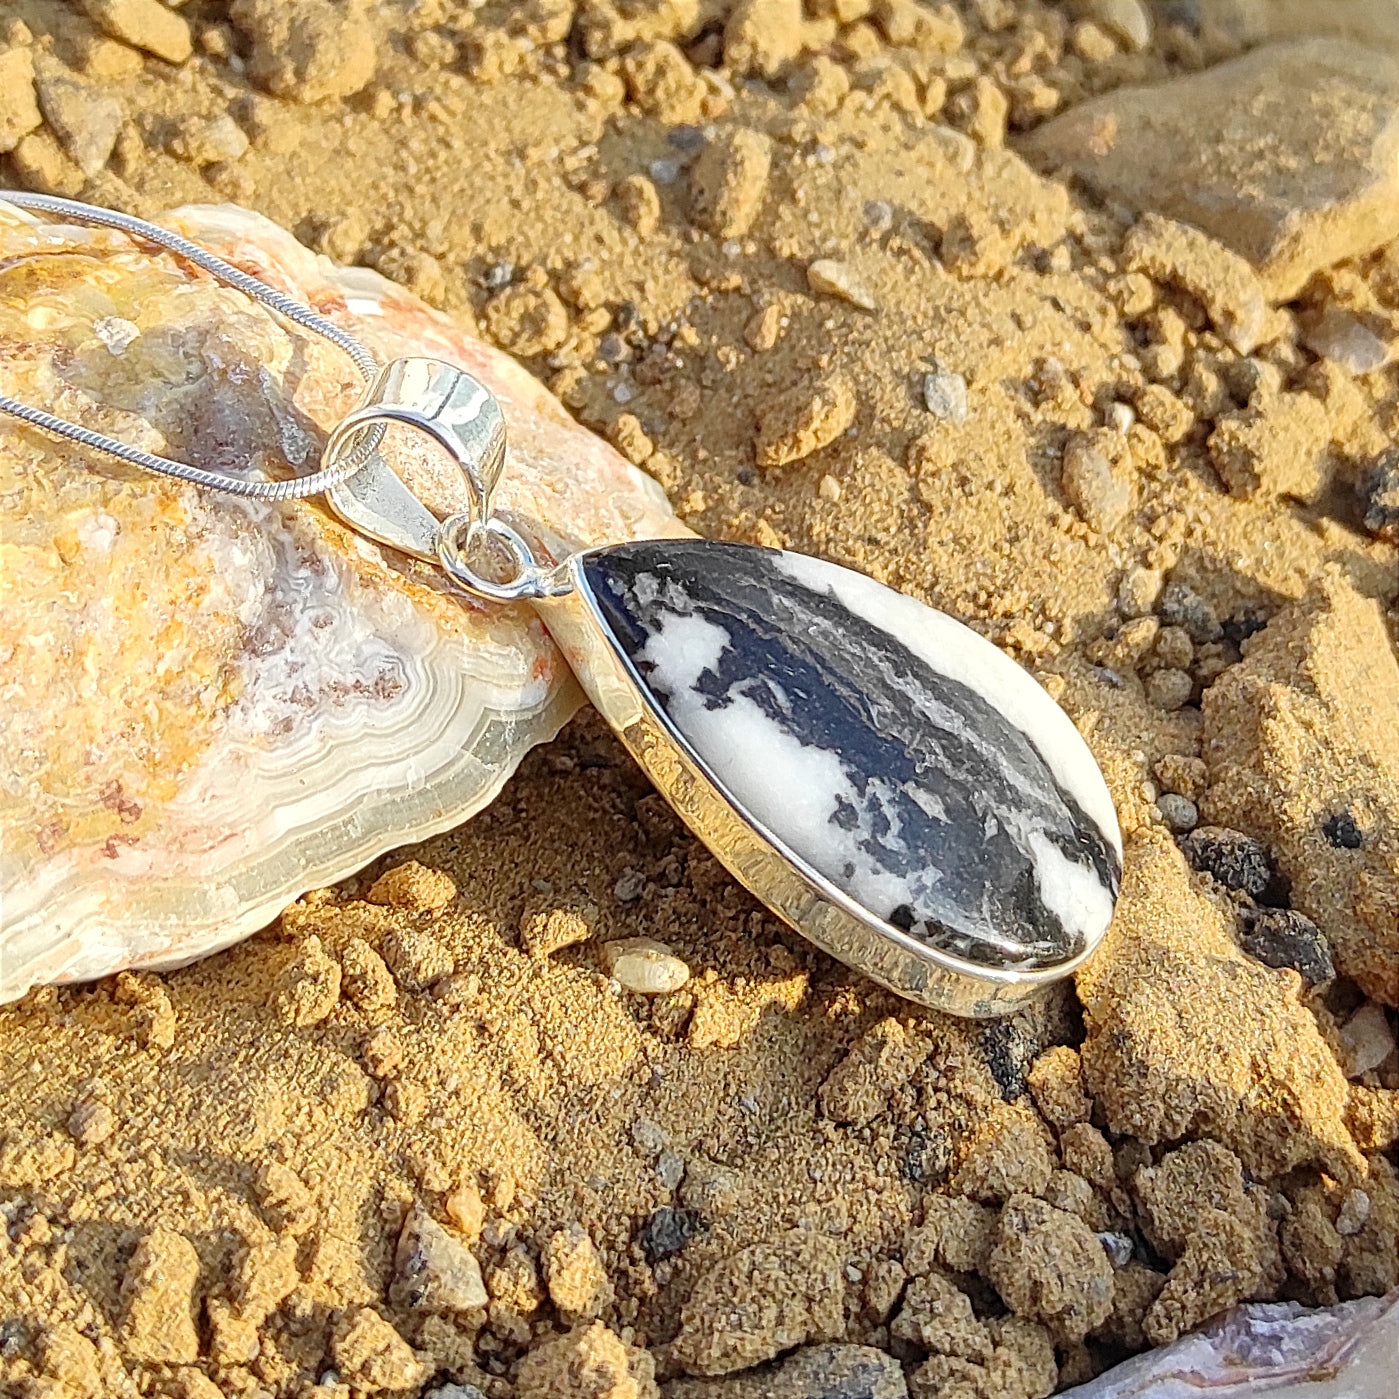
(880, 776)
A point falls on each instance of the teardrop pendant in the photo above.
(885, 779)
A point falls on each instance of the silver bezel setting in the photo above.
(759, 860)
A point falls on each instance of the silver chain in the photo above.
(295, 311)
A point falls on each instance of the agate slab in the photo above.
(208, 706)
(1281, 1350)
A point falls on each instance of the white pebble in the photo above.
(1346, 340)
(670, 1168)
(1355, 1210)
(648, 1138)
(647, 967)
(945, 396)
(1120, 418)
(116, 333)
(1118, 1247)
(1367, 1039)
(829, 277)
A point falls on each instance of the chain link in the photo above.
(284, 306)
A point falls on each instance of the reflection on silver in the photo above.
(458, 412)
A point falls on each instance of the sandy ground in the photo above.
(814, 271)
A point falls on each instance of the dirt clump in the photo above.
(761, 1301)
(1227, 149)
(1312, 698)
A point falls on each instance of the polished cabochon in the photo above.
(888, 781)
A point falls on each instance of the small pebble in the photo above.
(1379, 497)
(435, 1270)
(1341, 831)
(1138, 591)
(1367, 1038)
(1354, 1211)
(1179, 813)
(670, 1168)
(945, 396)
(498, 275)
(1169, 688)
(91, 1123)
(628, 888)
(982, 110)
(1091, 488)
(205, 142)
(647, 1137)
(1182, 606)
(1282, 937)
(764, 329)
(1342, 337)
(466, 1211)
(638, 203)
(1128, 21)
(666, 1232)
(644, 966)
(729, 182)
(574, 1273)
(1237, 861)
(19, 111)
(116, 333)
(86, 120)
(1120, 418)
(144, 24)
(1118, 1247)
(829, 277)
(879, 215)
(1090, 43)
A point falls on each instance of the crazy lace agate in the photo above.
(208, 706)
(1269, 1350)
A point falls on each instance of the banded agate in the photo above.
(209, 706)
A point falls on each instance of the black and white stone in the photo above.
(891, 748)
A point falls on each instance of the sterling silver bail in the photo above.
(463, 417)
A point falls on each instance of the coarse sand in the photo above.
(829, 275)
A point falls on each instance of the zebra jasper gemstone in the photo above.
(885, 745)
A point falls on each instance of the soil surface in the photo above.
(882, 281)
